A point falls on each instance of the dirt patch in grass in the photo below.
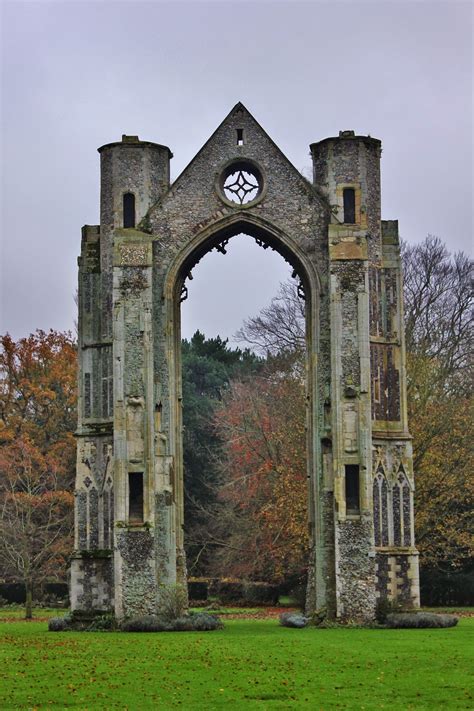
(264, 613)
(22, 619)
(458, 611)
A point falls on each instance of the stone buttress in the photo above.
(132, 276)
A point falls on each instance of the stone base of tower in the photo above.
(355, 570)
(398, 576)
(136, 591)
(92, 582)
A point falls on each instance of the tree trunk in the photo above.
(29, 600)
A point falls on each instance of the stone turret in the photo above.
(346, 170)
(134, 174)
(134, 167)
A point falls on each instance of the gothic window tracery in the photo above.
(380, 498)
(241, 183)
(241, 187)
(402, 506)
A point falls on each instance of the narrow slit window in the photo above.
(87, 395)
(240, 136)
(349, 205)
(129, 210)
(107, 383)
(352, 489)
(135, 497)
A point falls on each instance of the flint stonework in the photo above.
(131, 283)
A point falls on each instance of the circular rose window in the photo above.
(241, 183)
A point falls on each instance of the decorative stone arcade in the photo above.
(132, 269)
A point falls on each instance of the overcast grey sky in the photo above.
(76, 75)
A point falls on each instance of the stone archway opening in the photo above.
(245, 492)
(205, 555)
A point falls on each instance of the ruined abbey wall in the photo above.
(132, 271)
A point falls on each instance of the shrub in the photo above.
(102, 623)
(57, 624)
(147, 623)
(243, 592)
(173, 601)
(200, 622)
(400, 620)
(80, 622)
(229, 590)
(198, 589)
(182, 624)
(385, 607)
(13, 592)
(52, 600)
(260, 593)
(438, 588)
(49, 594)
(291, 581)
(319, 617)
(203, 622)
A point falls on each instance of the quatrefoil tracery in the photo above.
(241, 187)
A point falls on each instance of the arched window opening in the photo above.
(129, 210)
(349, 205)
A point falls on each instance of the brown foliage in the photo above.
(439, 318)
(264, 531)
(37, 420)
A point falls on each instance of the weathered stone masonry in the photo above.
(132, 272)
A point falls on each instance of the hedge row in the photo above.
(438, 589)
(233, 591)
(15, 592)
(227, 591)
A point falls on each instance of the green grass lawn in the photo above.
(17, 612)
(251, 664)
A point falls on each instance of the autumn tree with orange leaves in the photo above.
(262, 530)
(37, 459)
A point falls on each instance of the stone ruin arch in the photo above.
(129, 487)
